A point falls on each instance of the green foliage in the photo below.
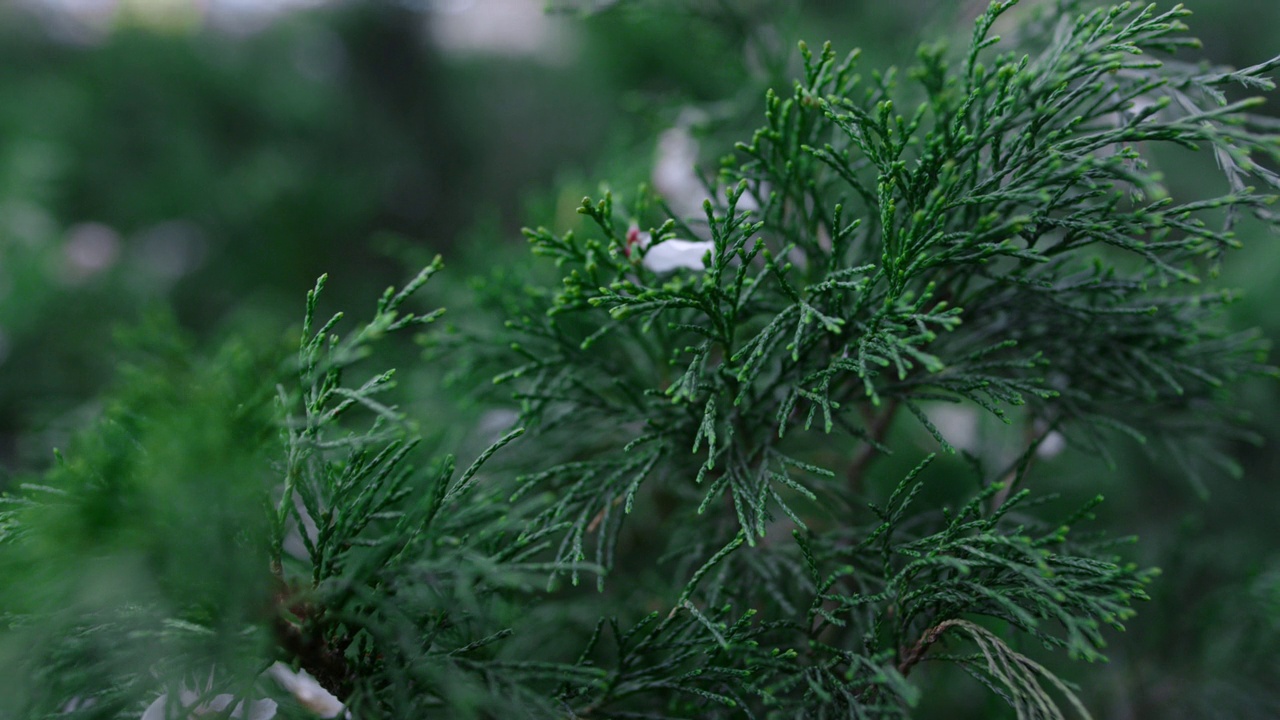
(228, 512)
(706, 441)
(170, 480)
(387, 603)
(1004, 244)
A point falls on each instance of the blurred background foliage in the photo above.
(206, 160)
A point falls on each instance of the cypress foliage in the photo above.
(694, 518)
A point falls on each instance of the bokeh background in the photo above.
(209, 158)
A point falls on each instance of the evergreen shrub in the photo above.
(710, 503)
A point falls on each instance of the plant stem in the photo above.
(877, 428)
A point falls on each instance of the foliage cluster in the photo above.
(1003, 244)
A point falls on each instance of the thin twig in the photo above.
(877, 428)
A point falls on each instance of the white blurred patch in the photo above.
(496, 423)
(87, 9)
(957, 423)
(78, 703)
(90, 249)
(258, 7)
(513, 28)
(675, 176)
(247, 16)
(1142, 104)
(1052, 446)
(674, 253)
(216, 707)
(77, 22)
(308, 692)
(673, 173)
(171, 249)
(670, 254)
(26, 222)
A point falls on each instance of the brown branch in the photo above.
(296, 624)
(877, 428)
(599, 517)
(917, 652)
